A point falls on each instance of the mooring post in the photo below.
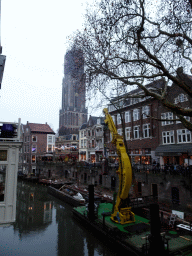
(155, 238)
(91, 214)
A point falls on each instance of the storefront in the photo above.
(91, 157)
(175, 154)
(82, 156)
(141, 156)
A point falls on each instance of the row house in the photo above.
(38, 139)
(83, 152)
(136, 119)
(175, 140)
(149, 140)
(91, 140)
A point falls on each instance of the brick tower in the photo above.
(73, 113)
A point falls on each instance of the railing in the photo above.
(163, 169)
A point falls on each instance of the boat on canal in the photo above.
(67, 194)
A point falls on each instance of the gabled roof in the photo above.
(92, 120)
(83, 126)
(156, 85)
(42, 128)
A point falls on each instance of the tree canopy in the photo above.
(130, 43)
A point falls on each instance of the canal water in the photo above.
(45, 226)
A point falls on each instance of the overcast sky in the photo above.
(34, 36)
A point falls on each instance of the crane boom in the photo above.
(122, 212)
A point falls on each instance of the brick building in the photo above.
(138, 117)
(175, 140)
(148, 139)
(38, 139)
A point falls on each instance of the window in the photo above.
(128, 133)
(113, 117)
(50, 139)
(181, 98)
(85, 143)
(136, 132)
(118, 119)
(135, 100)
(146, 130)
(128, 102)
(136, 114)
(145, 111)
(111, 108)
(119, 131)
(34, 148)
(33, 159)
(2, 181)
(81, 134)
(186, 117)
(183, 136)
(168, 137)
(27, 148)
(81, 143)
(169, 116)
(34, 138)
(3, 155)
(50, 148)
(127, 117)
(98, 121)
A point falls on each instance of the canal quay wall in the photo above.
(172, 191)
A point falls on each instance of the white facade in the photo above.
(82, 145)
(9, 158)
(50, 142)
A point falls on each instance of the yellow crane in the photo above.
(122, 211)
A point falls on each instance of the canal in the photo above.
(45, 226)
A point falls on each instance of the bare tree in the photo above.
(136, 42)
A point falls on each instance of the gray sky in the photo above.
(34, 40)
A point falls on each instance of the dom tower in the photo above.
(73, 113)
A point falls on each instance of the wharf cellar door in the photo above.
(175, 195)
(154, 190)
(85, 177)
(100, 179)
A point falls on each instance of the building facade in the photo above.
(91, 140)
(149, 140)
(137, 119)
(10, 143)
(73, 112)
(38, 139)
(175, 140)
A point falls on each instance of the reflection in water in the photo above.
(44, 226)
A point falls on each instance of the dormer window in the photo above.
(181, 98)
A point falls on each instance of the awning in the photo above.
(92, 153)
(174, 149)
(82, 152)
